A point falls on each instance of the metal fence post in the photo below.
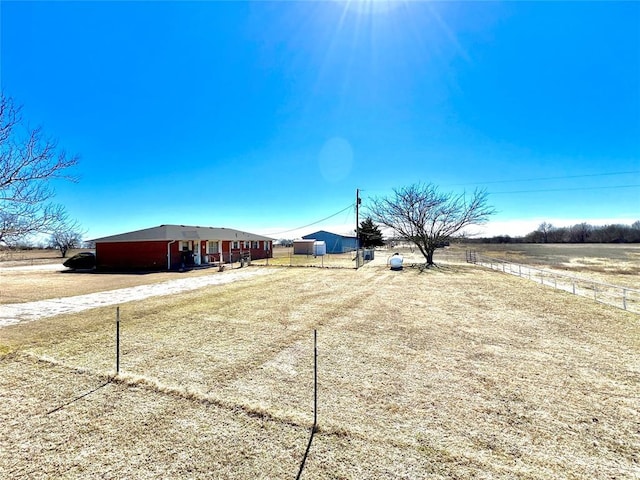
(117, 340)
(315, 379)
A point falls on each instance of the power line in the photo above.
(311, 224)
(564, 189)
(536, 179)
(520, 180)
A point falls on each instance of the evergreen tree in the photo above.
(370, 235)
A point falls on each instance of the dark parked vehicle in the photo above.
(81, 261)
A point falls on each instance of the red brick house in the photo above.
(171, 247)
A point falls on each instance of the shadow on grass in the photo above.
(80, 397)
(306, 453)
(435, 269)
(95, 271)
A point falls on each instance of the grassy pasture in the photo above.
(618, 264)
(615, 264)
(457, 372)
(36, 256)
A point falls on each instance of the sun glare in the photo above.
(369, 7)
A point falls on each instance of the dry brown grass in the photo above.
(614, 264)
(617, 264)
(19, 286)
(284, 257)
(14, 257)
(456, 372)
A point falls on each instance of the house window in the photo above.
(213, 247)
(184, 246)
(246, 244)
(266, 246)
(235, 245)
(254, 244)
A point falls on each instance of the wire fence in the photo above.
(285, 257)
(276, 373)
(615, 295)
(141, 360)
(14, 258)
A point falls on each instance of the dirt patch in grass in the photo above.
(604, 270)
(456, 372)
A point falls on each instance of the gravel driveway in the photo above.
(13, 313)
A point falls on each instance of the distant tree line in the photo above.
(578, 233)
(284, 242)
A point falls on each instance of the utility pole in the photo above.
(358, 227)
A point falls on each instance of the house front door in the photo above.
(196, 252)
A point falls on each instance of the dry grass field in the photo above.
(31, 284)
(456, 372)
(618, 264)
(284, 257)
(36, 256)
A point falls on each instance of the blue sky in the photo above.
(266, 116)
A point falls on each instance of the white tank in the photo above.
(319, 248)
(396, 262)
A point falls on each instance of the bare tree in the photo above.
(545, 229)
(580, 232)
(28, 163)
(428, 218)
(66, 235)
(64, 241)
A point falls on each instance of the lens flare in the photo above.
(369, 7)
